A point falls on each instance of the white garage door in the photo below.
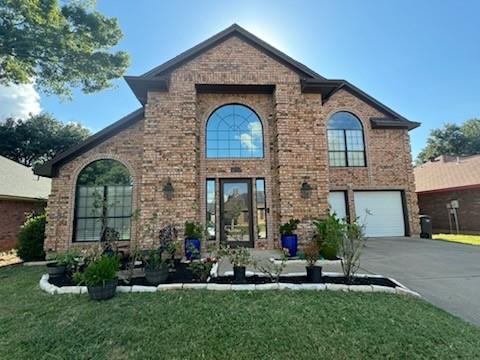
(336, 203)
(386, 212)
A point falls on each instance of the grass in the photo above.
(220, 325)
(463, 239)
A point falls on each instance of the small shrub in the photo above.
(154, 260)
(31, 238)
(312, 253)
(193, 230)
(201, 269)
(289, 227)
(99, 272)
(350, 249)
(329, 234)
(238, 256)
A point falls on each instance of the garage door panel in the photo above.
(337, 204)
(385, 210)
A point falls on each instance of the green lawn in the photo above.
(223, 325)
(463, 239)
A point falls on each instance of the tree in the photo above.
(38, 138)
(59, 46)
(452, 139)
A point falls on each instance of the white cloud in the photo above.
(18, 101)
(249, 140)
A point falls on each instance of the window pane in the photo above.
(356, 158)
(234, 131)
(211, 203)
(261, 208)
(354, 140)
(336, 140)
(337, 158)
(344, 120)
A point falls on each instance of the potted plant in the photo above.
(240, 258)
(201, 269)
(193, 237)
(100, 277)
(156, 267)
(65, 263)
(289, 238)
(312, 253)
(329, 233)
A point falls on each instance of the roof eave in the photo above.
(141, 86)
(49, 168)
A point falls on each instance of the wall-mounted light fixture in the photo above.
(306, 190)
(168, 190)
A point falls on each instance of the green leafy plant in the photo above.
(329, 233)
(168, 239)
(193, 230)
(31, 238)
(201, 268)
(98, 272)
(289, 227)
(312, 253)
(238, 256)
(154, 260)
(70, 259)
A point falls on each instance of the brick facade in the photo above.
(434, 205)
(10, 225)
(169, 145)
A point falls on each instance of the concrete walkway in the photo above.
(446, 274)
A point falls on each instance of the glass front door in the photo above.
(236, 212)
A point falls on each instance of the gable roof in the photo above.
(158, 79)
(18, 182)
(50, 167)
(233, 30)
(448, 173)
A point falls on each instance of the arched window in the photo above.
(103, 202)
(234, 131)
(345, 140)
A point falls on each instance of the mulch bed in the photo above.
(183, 275)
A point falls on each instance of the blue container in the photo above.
(290, 242)
(189, 244)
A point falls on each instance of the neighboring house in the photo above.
(235, 117)
(448, 190)
(21, 192)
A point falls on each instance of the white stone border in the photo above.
(322, 262)
(399, 289)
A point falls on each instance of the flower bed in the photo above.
(255, 281)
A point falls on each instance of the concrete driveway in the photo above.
(445, 274)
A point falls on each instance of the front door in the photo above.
(236, 224)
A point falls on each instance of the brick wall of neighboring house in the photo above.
(434, 205)
(13, 216)
(169, 144)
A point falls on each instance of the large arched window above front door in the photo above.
(103, 202)
(234, 131)
(345, 140)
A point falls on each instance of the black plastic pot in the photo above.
(55, 270)
(157, 276)
(314, 274)
(239, 274)
(103, 292)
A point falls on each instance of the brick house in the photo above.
(239, 136)
(21, 193)
(448, 190)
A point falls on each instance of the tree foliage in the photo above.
(59, 46)
(38, 138)
(452, 139)
(31, 238)
(104, 172)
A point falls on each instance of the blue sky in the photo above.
(421, 58)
